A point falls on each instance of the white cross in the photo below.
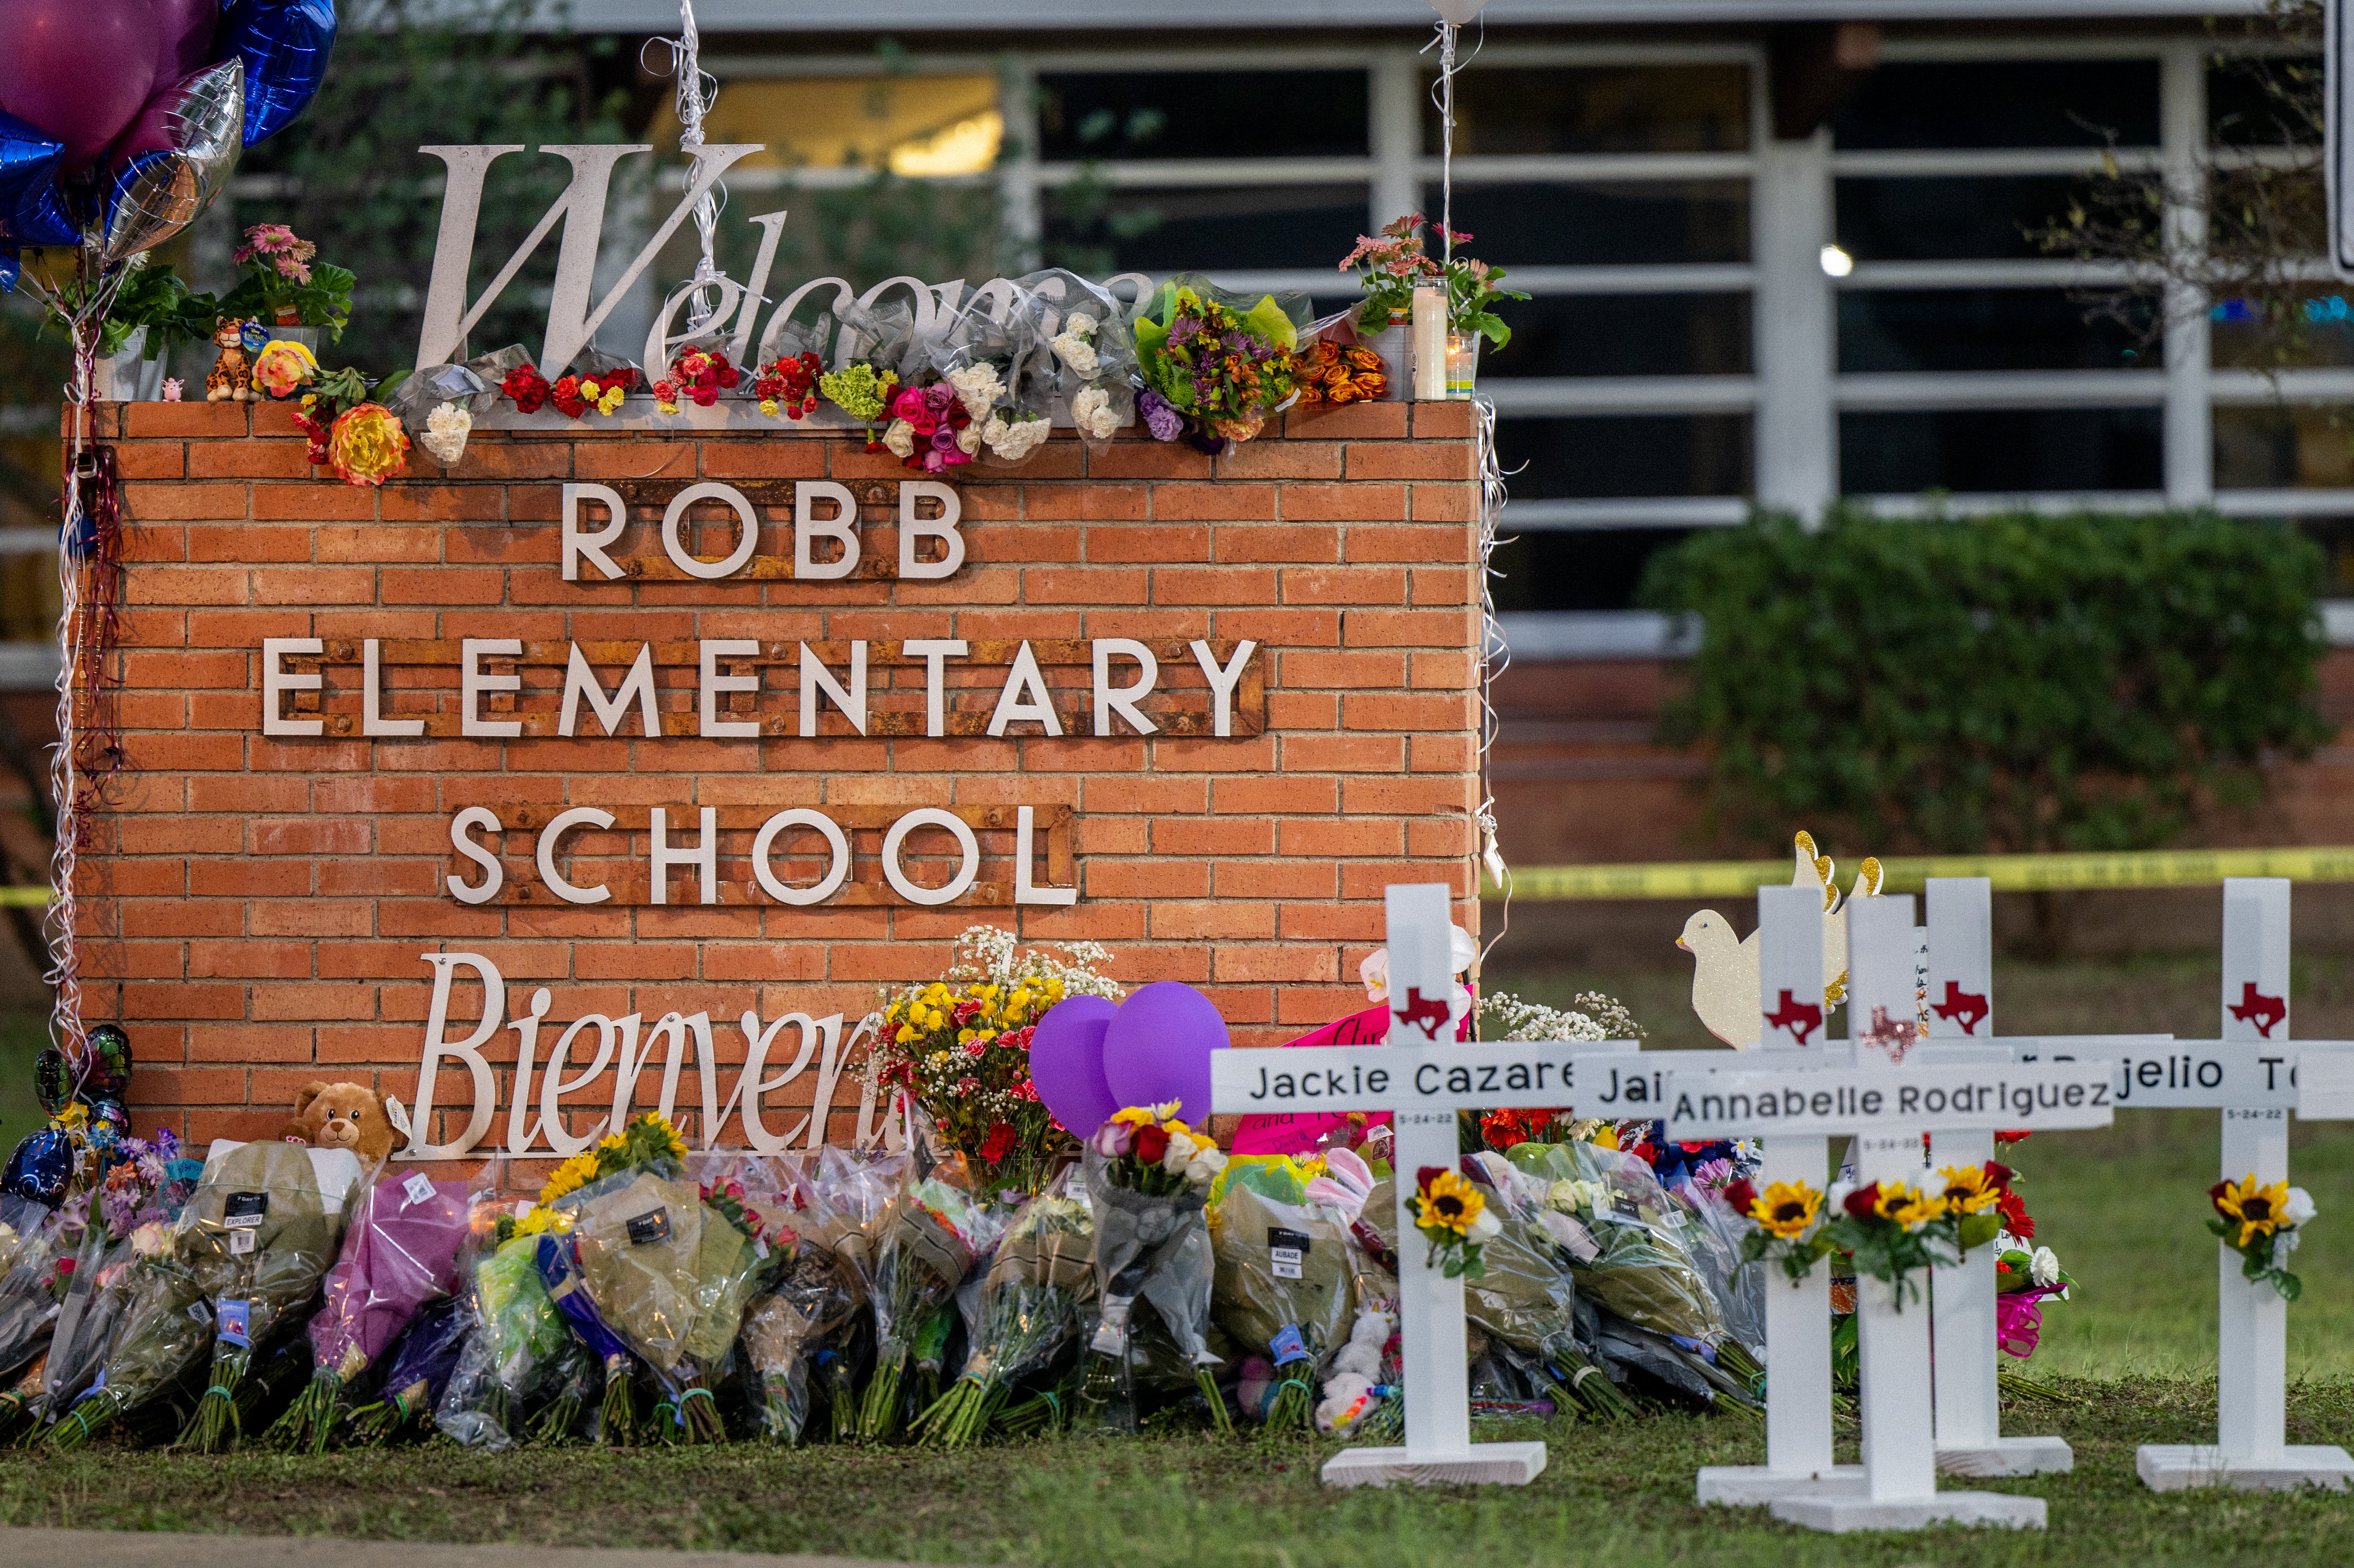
(1422, 1077)
(1887, 1106)
(2251, 1075)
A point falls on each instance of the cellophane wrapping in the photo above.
(1032, 1302)
(1283, 1287)
(926, 1244)
(1153, 1248)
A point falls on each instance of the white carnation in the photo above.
(1017, 440)
(977, 387)
(900, 438)
(1092, 411)
(446, 429)
(2299, 1207)
(1080, 324)
(2043, 1268)
(1075, 351)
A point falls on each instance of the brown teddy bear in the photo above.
(341, 1115)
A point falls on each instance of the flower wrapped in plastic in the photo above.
(671, 1276)
(38, 1266)
(1222, 361)
(417, 1374)
(400, 1252)
(1149, 1188)
(1038, 1283)
(166, 1329)
(924, 1247)
(1621, 1236)
(259, 1235)
(91, 1318)
(568, 1286)
(811, 1302)
(1087, 338)
(1283, 1287)
(517, 1355)
(366, 446)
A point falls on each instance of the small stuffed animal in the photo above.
(341, 1115)
(231, 380)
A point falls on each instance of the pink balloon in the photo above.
(184, 38)
(78, 69)
(1066, 1062)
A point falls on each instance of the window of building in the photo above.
(1239, 113)
(2009, 451)
(1988, 329)
(1625, 335)
(1949, 103)
(1520, 110)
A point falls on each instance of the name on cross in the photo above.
(1395, 1077)
(2203, 1074)
(1912, 1100)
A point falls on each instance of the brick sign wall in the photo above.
(257, 908)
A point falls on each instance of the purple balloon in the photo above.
(1066, 1062)
(184, 35)
(1158, 1048)
(77, 68)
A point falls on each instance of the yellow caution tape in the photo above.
(2007, 872)
(23, 897)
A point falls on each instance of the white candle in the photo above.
(1430, 342)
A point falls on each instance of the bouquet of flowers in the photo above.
(1790, 1226)
(1283, 1286)
(1620, 1233)
(787, 385)
(2263, 1222)
(559, 1271)
(528, 388)
(166, 1328)
(873, 344)
(930, 428)
(697, 374)
(599, 392)
(1890, 1231)
(960, 1046)
(812, 1297)
(400, 1252)
(1208, 358)
(925, 1246)
(1335, 374)
(422, 1363)
(1041, 1277)
(517, 1351)
(1146, 1176)
(284, 283)
(39, 1268)
(1392, 264)
(257, 1235)
(2024, 1278)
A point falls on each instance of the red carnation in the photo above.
(566, 396)
(1742, 1196)
(2001, 1175)
(1862, 1200)
(1151, 1143)
(527, 386)
(1000, 1142)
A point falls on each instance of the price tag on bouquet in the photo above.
(245, 1210)
(1286, 1251)
(417, 1189)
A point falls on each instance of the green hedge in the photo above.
(2011, 683)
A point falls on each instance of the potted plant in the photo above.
(284, 289)
(154, 314)
(1391, 265)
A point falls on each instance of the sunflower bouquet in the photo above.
(1147, 1175)
(1890, 1231)
(1789, 1225)
(401, 1252)
(926, 1244)
(1040, 1279)
(257, 1235)
(2263, 1221)
(960, 1047)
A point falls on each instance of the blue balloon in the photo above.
(12, 262)
(284, 45)
(32, 211)
(41, 1167)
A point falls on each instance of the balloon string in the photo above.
(699, 90)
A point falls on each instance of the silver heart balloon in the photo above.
(201, 121)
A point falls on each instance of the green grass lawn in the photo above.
(2124, 1207)
(1610, 1495)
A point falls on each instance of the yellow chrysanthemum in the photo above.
(2259, 1209)
(542, 1218)
(1907, 1206)
(1787, 1208)
(1451, 1204)
(1134, 1115)
(905, 1034)
(1968, 1190)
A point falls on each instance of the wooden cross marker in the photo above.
(2251, 1074)
(1422, 1077)
(1888, 1098)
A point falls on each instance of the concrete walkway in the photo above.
(157, 1549)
